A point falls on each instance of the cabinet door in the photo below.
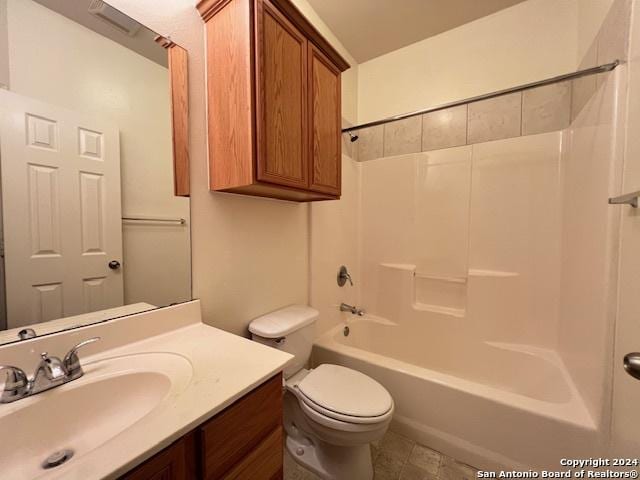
(232, 435)
(281, 73)
(263, 463)
(324, 124)
(176, 462)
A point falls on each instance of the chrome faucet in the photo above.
(345, 307)
(51, 372)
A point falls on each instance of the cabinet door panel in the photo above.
(234, 433)
(173, 463)
(282, 129)
(263, 463)
(229, 96)
(324, 124)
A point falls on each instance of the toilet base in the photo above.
(331, 462)
(332, 454)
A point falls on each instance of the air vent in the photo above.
(113, 17)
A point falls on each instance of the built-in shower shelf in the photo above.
(492, 273)
(454, 312)
(439, 294)
(441, 278)
(408, 267)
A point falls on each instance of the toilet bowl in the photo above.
(331, 413)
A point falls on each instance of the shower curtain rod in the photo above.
(607, 67)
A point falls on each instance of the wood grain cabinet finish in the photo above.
(274, 106)
(178, 72)
(325, 153)
(244, 441)
(176, 462)
(237, 431)
(179, 81)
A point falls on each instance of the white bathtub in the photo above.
(491, 405)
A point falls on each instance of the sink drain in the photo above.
(57, 458)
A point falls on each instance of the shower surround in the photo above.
(484, 252)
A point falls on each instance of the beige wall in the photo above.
(250, 255)
(4, 46)
(87, 72)
(590, 17)
(334, 224)
(350, 77)
(532, 40)
(335, 230)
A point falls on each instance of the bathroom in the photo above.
(319, 239)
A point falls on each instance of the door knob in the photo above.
(114, 265)
(632, 364)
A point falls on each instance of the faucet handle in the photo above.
(71, 361)
(343, 276)
(16, 384)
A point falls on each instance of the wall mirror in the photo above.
(94, 167)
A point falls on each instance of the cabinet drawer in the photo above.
(263, 463)
(240, 429)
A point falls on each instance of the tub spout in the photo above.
(344, 307)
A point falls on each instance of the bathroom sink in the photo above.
(80, 416)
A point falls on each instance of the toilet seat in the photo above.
(345, 395)
(335, 419)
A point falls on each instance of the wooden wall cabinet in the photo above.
(177, 58)
(274, 110)
(244, 441)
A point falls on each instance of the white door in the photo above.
(62, 211)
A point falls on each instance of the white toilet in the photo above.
(331, 413)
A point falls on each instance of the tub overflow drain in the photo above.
(57, 458)
(346, 331)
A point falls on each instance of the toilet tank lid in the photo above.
(284, 321)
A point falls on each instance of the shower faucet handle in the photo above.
(343, 276)
(631, 364)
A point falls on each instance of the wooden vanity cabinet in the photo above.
(244, 441)
(274, 102)
(176, 462)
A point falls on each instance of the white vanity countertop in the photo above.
(224, 368)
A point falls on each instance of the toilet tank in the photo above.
(289, 329)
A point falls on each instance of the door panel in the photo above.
(229, 96)
(170, 464)
(283, 126)
(61, 209)
(325, 118)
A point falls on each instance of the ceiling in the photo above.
(142, 43)
(370, 28)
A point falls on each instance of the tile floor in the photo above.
(398, 458)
